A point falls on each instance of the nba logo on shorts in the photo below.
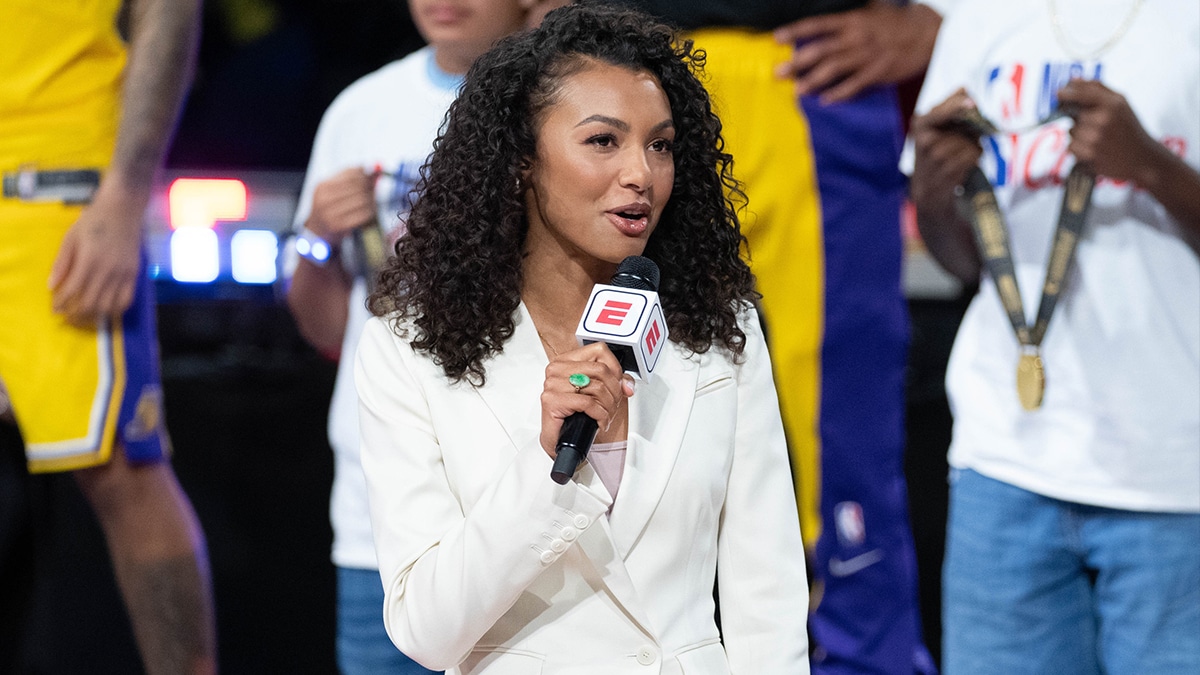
(848, 517)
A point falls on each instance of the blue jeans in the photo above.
(363, 647)
(1037, 585)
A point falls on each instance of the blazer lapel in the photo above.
(658, 415)
(514, 382)
(515, 378)
(658, 418)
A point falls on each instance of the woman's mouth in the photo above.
(631, 219)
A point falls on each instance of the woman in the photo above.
(571, 147)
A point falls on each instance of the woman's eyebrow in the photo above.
(620, 124)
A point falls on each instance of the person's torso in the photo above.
(386, 120)
(1120, 424)
(61, 91)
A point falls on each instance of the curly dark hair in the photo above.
(457, 272)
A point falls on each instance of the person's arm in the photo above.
(1108, 138)
(760, 555)
(319, 296)
(943, 157)
(840, 55)
(95, 273)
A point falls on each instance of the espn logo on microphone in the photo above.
(629, 317)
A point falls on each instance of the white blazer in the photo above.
(490, 567)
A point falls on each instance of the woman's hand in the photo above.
(601, 398)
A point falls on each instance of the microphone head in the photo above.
(626, 315)
(637, 272)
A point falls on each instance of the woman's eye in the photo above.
(602, 140)
(661, 145)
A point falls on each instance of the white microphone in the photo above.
(627, 317)
(630, 321)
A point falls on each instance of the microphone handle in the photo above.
(574, 441)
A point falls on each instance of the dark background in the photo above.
(246, 398)
(263, 83)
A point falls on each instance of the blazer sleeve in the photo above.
(760, 556)
(448, 575)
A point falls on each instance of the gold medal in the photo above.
(991, 238)
(1031, 380)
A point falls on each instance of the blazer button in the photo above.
(645, 655)
(581, 521)
(547, 557)
(569, 533)
(558, 546)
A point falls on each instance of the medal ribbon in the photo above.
(370, 252)
(991, 238)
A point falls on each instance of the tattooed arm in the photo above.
(96, 269)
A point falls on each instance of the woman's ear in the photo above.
(524, 170)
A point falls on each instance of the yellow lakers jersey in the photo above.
(60, 91)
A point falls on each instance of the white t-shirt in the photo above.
(1120, 423)
(388, 118)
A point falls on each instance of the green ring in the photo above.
(579, 381)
